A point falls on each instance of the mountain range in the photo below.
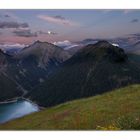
(29, 67)
(93, 70)
(50, 75)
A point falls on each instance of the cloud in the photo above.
(127, 11)
(66, 44)
(11, 45)
(57, 20)
(134, 20)
(11, 24)
(63, 43)
(59, 17)
(7, 16)
(47, 33)
(25, 33)
(137, 34)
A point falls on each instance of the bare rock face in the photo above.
(44, 53)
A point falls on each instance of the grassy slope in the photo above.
(119, 109)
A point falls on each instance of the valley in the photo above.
(115, 110)
(69, 87)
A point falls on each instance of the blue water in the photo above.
(10, 111)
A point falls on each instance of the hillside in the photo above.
(32, 65)
(35, 62)
(93, 70)
(119, 109)
(8, 87)
(45, 53)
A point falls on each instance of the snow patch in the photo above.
(114, 44)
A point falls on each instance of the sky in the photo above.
(27, 26)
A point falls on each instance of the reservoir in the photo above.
(10, 111)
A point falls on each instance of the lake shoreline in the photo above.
(16, 108)
(12, 100)
(15, 99)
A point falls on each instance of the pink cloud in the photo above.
(28, 40)
(57, 20)
(14, 39)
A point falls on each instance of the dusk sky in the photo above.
(26, 26)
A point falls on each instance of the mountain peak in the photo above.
(103, 43)
(41, 42)
(38, 41)
(103, 49)
(1, 51)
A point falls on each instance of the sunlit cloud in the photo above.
(66, 44)
(47, 33)
(26, 32)
(58, 20)
(12, 45)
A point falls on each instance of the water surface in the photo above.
(10, 111)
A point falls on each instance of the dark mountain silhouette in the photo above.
(8, 87)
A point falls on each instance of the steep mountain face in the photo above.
(92, 70)
(3, 60)
(34, 63)
(45, 54)
(8, 87)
